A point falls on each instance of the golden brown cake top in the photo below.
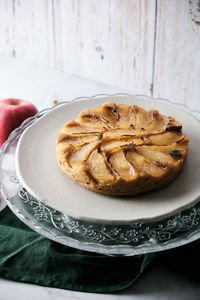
(122, 141)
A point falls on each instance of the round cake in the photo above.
(120, 149)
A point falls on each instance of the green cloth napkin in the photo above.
(29, 257)
(183, 261)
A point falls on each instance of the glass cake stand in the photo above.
(116, 239)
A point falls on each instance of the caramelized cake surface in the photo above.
(120, 149)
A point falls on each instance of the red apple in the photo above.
(12, 113)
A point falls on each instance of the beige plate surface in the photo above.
(40, 174)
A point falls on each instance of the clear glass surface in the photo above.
(132, 239)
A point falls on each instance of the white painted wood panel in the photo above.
(26, 30)
(177, 53)
(111, 41)
(6, 43)
(145, 46)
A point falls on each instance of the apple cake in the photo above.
(120, 149)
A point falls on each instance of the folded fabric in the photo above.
(29, 257)
(184, 260)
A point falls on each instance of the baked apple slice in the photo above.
(144, 166)
(98, 169)
(143, 117)
(165, 138)
(79, 154)
(122, 167)
(127, 117)
(155, 155)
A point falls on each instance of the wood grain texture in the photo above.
(6, 28)
(177, 53)
(145, 46)
(26, 30)
(110, 41)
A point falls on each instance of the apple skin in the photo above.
(12, 113)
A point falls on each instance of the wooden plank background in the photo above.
(147, 47)
(177, 52)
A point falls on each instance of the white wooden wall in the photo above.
(148, 47)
